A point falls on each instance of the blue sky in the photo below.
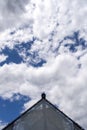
(43, 51)
(9, 110)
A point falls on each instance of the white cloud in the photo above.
(12, 14)
(2, 58)
(58, 18)
(60, 78)
(2, 125)
(45, 15)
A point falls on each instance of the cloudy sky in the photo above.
(43, 48)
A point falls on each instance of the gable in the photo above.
(43, 116)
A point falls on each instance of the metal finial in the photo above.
(43, 95)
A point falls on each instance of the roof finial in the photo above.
(43, 95)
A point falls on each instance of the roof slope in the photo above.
(43, 116)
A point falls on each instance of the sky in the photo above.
(43, 48)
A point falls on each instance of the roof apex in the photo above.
(43, 95)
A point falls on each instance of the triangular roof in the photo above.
(43, 116)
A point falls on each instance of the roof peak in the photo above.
(43, 95)
(45, 110)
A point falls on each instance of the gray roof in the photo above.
(43, 116)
